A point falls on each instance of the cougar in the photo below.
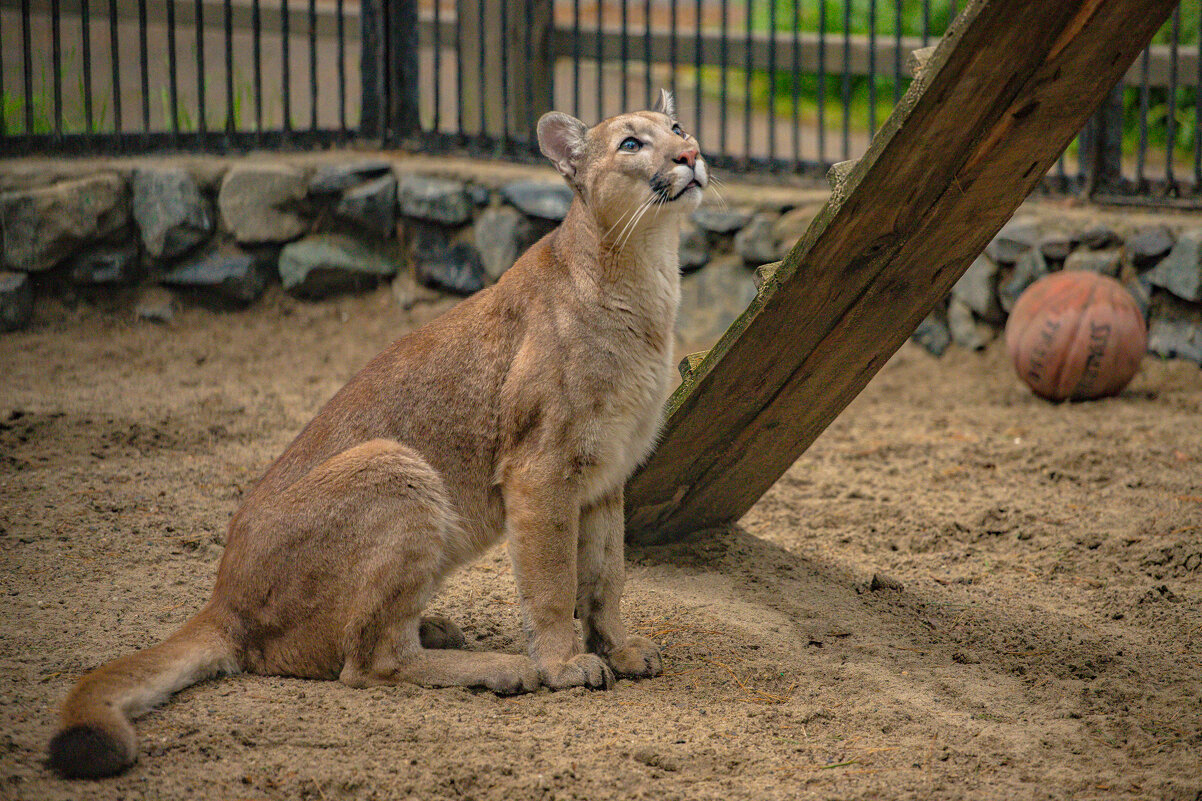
(518, 414)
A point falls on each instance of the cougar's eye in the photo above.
(676, 129)
(630, 145)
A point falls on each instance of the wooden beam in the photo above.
(998, 101)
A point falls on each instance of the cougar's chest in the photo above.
(630, 406)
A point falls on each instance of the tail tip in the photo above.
(87, 752)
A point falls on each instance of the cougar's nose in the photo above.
(688, 157)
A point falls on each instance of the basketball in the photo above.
(1076, 335)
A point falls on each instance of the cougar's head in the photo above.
(633, 168)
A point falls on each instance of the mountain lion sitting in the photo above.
(519, 413)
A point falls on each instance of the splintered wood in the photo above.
(989, 112)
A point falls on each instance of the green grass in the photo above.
(828, 16)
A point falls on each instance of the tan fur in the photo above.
(520, 413)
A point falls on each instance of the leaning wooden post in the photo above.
(992, 108)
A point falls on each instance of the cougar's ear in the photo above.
(561, 139)
(666, 104)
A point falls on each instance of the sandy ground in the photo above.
(1045, 644)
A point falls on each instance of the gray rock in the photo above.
(977, 289)
(1016, 238)
(438, 200)
(1099, 236)
(229, 277)
(1141, 291)
(710, 300)
(756, 242)
(540, 199)
(1176, 339)
(721, 221)
(371, 206)
(1056, 245)
(407, 292)
(456, 269)
(16, 301)
(1149, 242)
(172, 216)
(793, 225)
(105, 266)
(502, 234)
(694, 248)
(155, 305)
(1030, 267)
(1106, 262)
(1180, 272)
(963, 326)
(479, 194)
(932, 334)
(259, 202)
(325, 264)
(43, 226)
(333, 178)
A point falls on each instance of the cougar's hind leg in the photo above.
(439, 632)
(394, 505)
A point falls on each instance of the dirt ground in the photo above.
(1038, 634)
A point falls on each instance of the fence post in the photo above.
(374, 96)
(404, 115)
(1102, 145)
(525, 37)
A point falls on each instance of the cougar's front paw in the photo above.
(513, 675)
(584, 670)
(638, 659)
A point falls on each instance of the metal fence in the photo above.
(783, 86)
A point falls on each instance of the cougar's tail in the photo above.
(95, 737)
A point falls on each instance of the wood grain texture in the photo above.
(1000, 98)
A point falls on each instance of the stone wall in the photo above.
(218, 231)
(1159, 261)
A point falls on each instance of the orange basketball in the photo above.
(1077, 335)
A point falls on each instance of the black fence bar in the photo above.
(772, 80)
(600, 60)
(697, 84)
(750, 30)
(256, 47)
(143, 52)
(172, 74)
(504, 44)
(231, 112)
(724, 67)
(575, 59)
(286, 64)
(846, 82)
(1198, 112)
(115, 64)
(85, 44)
(339, 13)
(625, 104)
(56, 55)
(1141, 153)
(313, 65)
(1171, 118)
(872, 67)
(795, 83)
(822, 81)
(673, 21)
(3, 118)
(202, 117)
(436, 91)
(647, 51)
